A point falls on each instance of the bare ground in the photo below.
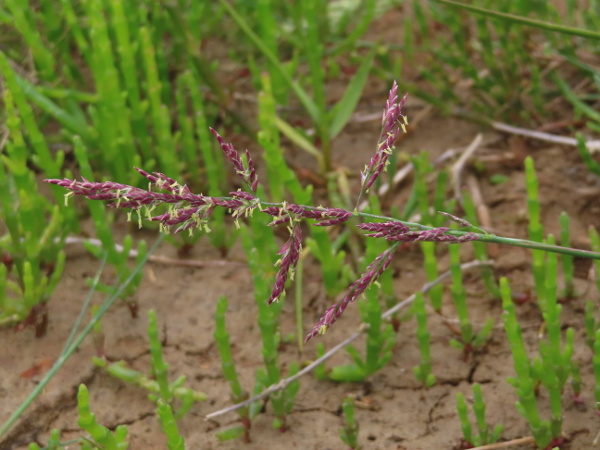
(394, 412)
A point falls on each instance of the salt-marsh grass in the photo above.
(500, 57)
(146, 108)
(187, 210)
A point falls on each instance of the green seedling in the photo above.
(160, 388)
(169, 425)
(229, 371)
(485, 435)
(33, 246)
(101, 436)
(536, 232)
(420, 200)
(349, 432)
(431, 270)
(23, 22)
(592, 324)
(552, 370)
(260, 248)
(469, 339)
(53, 442)
(423, 370)
(523, 382)
(487, 273)
(576, 384)
(176, 390)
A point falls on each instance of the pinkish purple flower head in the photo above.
(246, 205)
(326, 216)
(371, 275)
(391, 123)
(185, 209)
(383, 229)
(246, 172)
(459, 220)
(434, 235)
(186, 218)
(397, 231)
(290, 254)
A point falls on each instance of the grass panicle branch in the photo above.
(188, 210)
(392, 122)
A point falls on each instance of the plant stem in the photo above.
(482, 237)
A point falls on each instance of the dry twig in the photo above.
(363, 327)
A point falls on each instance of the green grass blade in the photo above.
(302, 95)
(342, 111)
(556, 27)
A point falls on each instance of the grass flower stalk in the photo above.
(188, 210)
(568, 268)
(392, 122)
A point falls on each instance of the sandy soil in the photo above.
(395, 412)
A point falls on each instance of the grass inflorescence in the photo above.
(110, 85)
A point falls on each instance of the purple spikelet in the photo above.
(434, 235)
(383, 229)
(290, 254)
(396, 231)
(326, 217)
(248, 174)
(392, 122)
(371, 274)
(333, 216)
